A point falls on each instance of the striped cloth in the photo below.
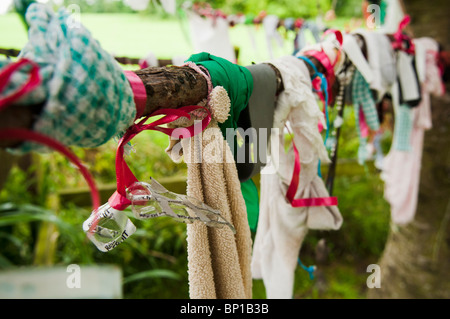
(365, 113)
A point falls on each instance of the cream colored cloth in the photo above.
(218, 260)
(401, 169)
(281, 227)
(211, 35)
(382, 61)
(355, 55)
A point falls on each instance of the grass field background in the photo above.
(136, 35)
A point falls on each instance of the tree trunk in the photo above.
(416, 259)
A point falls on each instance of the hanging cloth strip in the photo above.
(401, 172)
(323, 88)
(109, 226)
(293, 186)
(409, 83)
(218, 260)
(401, 40)
(238, 82)
(366, 114)
(282, 227)
(324, 97)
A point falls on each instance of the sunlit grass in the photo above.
(136, 36)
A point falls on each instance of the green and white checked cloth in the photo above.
(88, 99)
(362, 98)
(404, 119)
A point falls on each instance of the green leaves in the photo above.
(11, 214)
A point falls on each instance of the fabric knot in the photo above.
(87, 98)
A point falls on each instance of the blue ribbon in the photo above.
(324, 89)
(309, 269)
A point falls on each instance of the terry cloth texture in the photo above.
(281, 227)
(366, 114)
(87, 97)
(381, 58)
(401, 170)
(218, 260)
(238, 82)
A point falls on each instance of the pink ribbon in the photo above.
(324, 60)
(124, 176)
(363, 127)
(400, 38)
(33, 81)
(143, 64)
(293, 186)
(139, 92)
(24, 135)
(337, 33)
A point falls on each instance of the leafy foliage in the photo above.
(282, 8)
(154, 259)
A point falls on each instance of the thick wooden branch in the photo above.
(167, 87)
(172, 87)
(9, 52)
(126, 60)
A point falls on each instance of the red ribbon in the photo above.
(139, 92)
(124, 176)
(23, 134)
(363, 127)
(337, 33)
(292, 189)
(324, 60)
(33, 81)
(401, 40)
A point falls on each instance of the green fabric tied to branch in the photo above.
(238, 82)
